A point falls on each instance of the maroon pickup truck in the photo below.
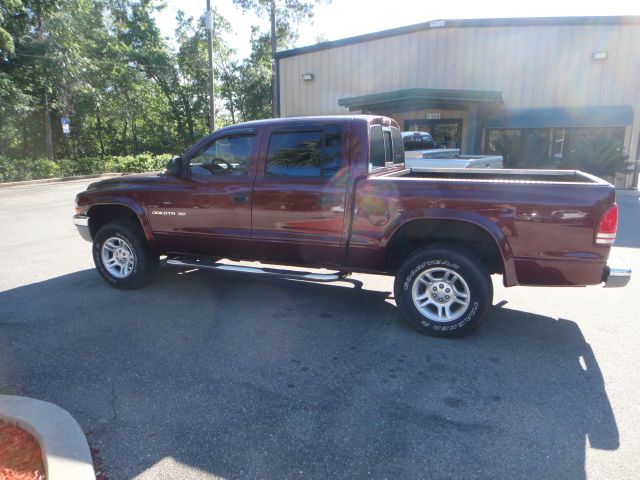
(333, 193)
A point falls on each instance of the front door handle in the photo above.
(240, 198)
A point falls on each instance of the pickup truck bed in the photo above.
(544, 225)
(334, 192)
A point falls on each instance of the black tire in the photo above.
(411, 279)
(144, 261)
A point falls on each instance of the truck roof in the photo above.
(312, 119)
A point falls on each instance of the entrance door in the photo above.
(446, 133)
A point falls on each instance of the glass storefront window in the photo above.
(520, 148)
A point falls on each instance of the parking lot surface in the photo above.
(217, 375)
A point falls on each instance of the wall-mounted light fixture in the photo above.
(307, 77)
(601, 55)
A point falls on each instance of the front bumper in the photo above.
(82, 224)
(616, 273)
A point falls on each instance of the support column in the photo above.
(470, 144)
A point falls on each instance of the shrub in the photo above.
(600, 155)
(12, 170)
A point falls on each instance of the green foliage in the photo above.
(599, 155)
(254, 85)
(105, 65)
(288, 11)
(12, 170)
(8, 8)
(527, 148)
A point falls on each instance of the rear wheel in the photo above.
(122, 256)
(443, 291)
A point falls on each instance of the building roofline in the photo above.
(421, 96)
(466, 23)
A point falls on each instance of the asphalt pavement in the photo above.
(218, 375)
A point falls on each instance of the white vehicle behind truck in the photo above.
(420, 153)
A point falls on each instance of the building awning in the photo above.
(562, 117)
(421, 98)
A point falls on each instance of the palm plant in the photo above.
(600, 155)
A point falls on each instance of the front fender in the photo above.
(135, 207)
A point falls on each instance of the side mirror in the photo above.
(175, 167)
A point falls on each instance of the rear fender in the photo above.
(498, 236)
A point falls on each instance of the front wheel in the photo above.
(122, 256)
(443, 291)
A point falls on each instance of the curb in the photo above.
(61, 179)
(64, 447)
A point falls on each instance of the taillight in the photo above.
(607, 226)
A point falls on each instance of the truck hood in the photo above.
(126, 181)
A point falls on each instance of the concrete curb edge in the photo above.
(64, 447)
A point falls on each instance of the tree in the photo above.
(8, 8)
(191, 59)
(254, 82)
(285, 18)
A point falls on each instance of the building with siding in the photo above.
(532, 89)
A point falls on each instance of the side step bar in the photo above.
(196, 262)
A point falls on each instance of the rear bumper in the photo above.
(616, 273)
(82, 224)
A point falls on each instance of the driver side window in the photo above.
(225, 156)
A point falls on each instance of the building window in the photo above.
(548, 147)
(520, 148)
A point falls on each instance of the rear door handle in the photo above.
(240, 198)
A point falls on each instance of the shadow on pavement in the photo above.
(242, 377)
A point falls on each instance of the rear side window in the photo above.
(385, 146)
(388, 148)
(376, 147)
(398, 148)
(308, 153)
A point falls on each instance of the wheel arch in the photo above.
(478, 236)
(109, 211)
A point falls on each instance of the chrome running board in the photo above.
(204, 263)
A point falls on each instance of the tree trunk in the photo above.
(99, 127)
(2, 143)
(187, 109)
(134, 135)
(25, 140)
(124, 135)
(47, 127)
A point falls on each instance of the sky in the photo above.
(346, 18)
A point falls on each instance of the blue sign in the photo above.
(66, 128)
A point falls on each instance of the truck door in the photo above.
(209, 210)
(299, 195)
